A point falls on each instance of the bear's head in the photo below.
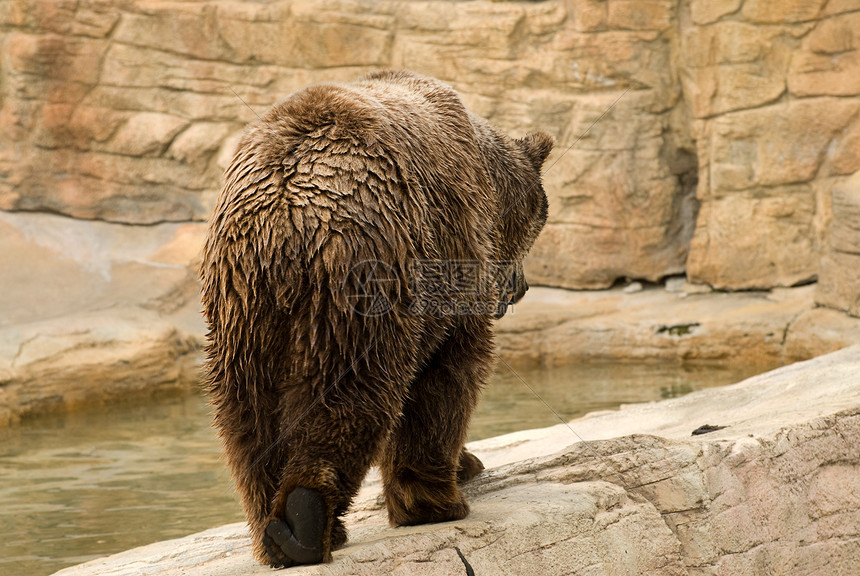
(521, 210)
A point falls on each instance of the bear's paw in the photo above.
(298, 539)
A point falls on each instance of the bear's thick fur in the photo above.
(389, 188)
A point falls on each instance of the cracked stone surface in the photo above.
(774, 492)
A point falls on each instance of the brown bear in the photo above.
(366, 236)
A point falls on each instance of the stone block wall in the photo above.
(702, 136)
(773, 91)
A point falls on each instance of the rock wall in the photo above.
(698, 135)
(773, 92)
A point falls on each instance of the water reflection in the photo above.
(574, 391)
(83, 485)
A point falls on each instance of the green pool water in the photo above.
(78, 486)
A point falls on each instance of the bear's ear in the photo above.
(537, 147)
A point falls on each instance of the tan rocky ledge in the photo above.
(773, 489)
(97, 311)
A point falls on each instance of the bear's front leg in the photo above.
(424, 458)
(470, 466)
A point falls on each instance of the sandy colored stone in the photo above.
(777, 145)
(558, 326)
(833, 35)
(55, 266)
(845, 225)
(191, 31)
(828, 60)
(768, 12)
(839, 285)
(145, 134)
(709, 11)
(651, 218)
(819, 331)
(774, 491)
(733, 65)
(772, 241)
(840, 6)
(87, 126)
(92, 358)
(341, 37)
(59, 59)
(93, 312)
(641, 14)
(199, 141)
(839, 281)
(590, 15)
(759, 224)
(844, 159)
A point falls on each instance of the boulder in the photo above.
(93, 311)
(756, 478)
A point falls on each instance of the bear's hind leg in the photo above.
(252, 451)
(329, 451)
(298, 538)
(425, 458)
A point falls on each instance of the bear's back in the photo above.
(392, 157)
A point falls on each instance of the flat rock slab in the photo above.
(692, 323)
(572, 526)
(94, 311)
(776, 491)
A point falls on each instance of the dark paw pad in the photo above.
(298, 538)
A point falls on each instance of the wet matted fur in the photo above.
(310, 386)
